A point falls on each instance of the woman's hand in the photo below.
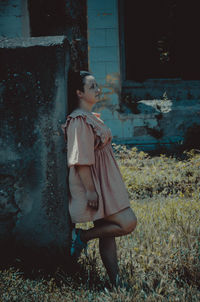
(86, 178)
(92, 198)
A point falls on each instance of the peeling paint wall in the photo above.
(165, 114)
(152, 115)
(33, 205)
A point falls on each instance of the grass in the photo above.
(160, 260)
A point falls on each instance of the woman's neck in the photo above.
(85, 107)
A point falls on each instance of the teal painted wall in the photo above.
(154, 115)
(14, 19)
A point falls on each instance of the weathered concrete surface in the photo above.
(33, 205)
(63, 17)
(24, 18)
(14, 18)
(157, 125)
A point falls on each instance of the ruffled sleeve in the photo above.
(80, 142)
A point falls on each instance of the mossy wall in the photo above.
(33, 98)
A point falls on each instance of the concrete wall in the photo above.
(152, 115)
(162, 114)
(33, 205)
(103, 49)
(14, 19)
(63, 17)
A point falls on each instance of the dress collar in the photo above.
(96, 114)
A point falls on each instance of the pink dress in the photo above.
(89, 143)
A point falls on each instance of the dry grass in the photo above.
(160, 261)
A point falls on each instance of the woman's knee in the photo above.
(129, 226)
(125, 219)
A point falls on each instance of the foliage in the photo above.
(160, 261)
(158, 176)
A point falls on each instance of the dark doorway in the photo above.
(161, 39)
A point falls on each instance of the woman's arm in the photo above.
(86, 178)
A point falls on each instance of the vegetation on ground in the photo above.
(160, 261)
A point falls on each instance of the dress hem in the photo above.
(85, 221)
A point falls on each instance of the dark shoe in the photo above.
(77, 244)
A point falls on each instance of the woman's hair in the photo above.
(76, 81)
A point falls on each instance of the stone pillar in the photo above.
(104, 60)
(33, 86)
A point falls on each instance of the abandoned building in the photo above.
(144, 55)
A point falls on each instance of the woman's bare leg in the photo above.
(108, 252)
(119, 224)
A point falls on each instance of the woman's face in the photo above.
(91, 93)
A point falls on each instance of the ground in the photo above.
(160, 261)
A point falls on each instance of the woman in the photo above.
(97, 190)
